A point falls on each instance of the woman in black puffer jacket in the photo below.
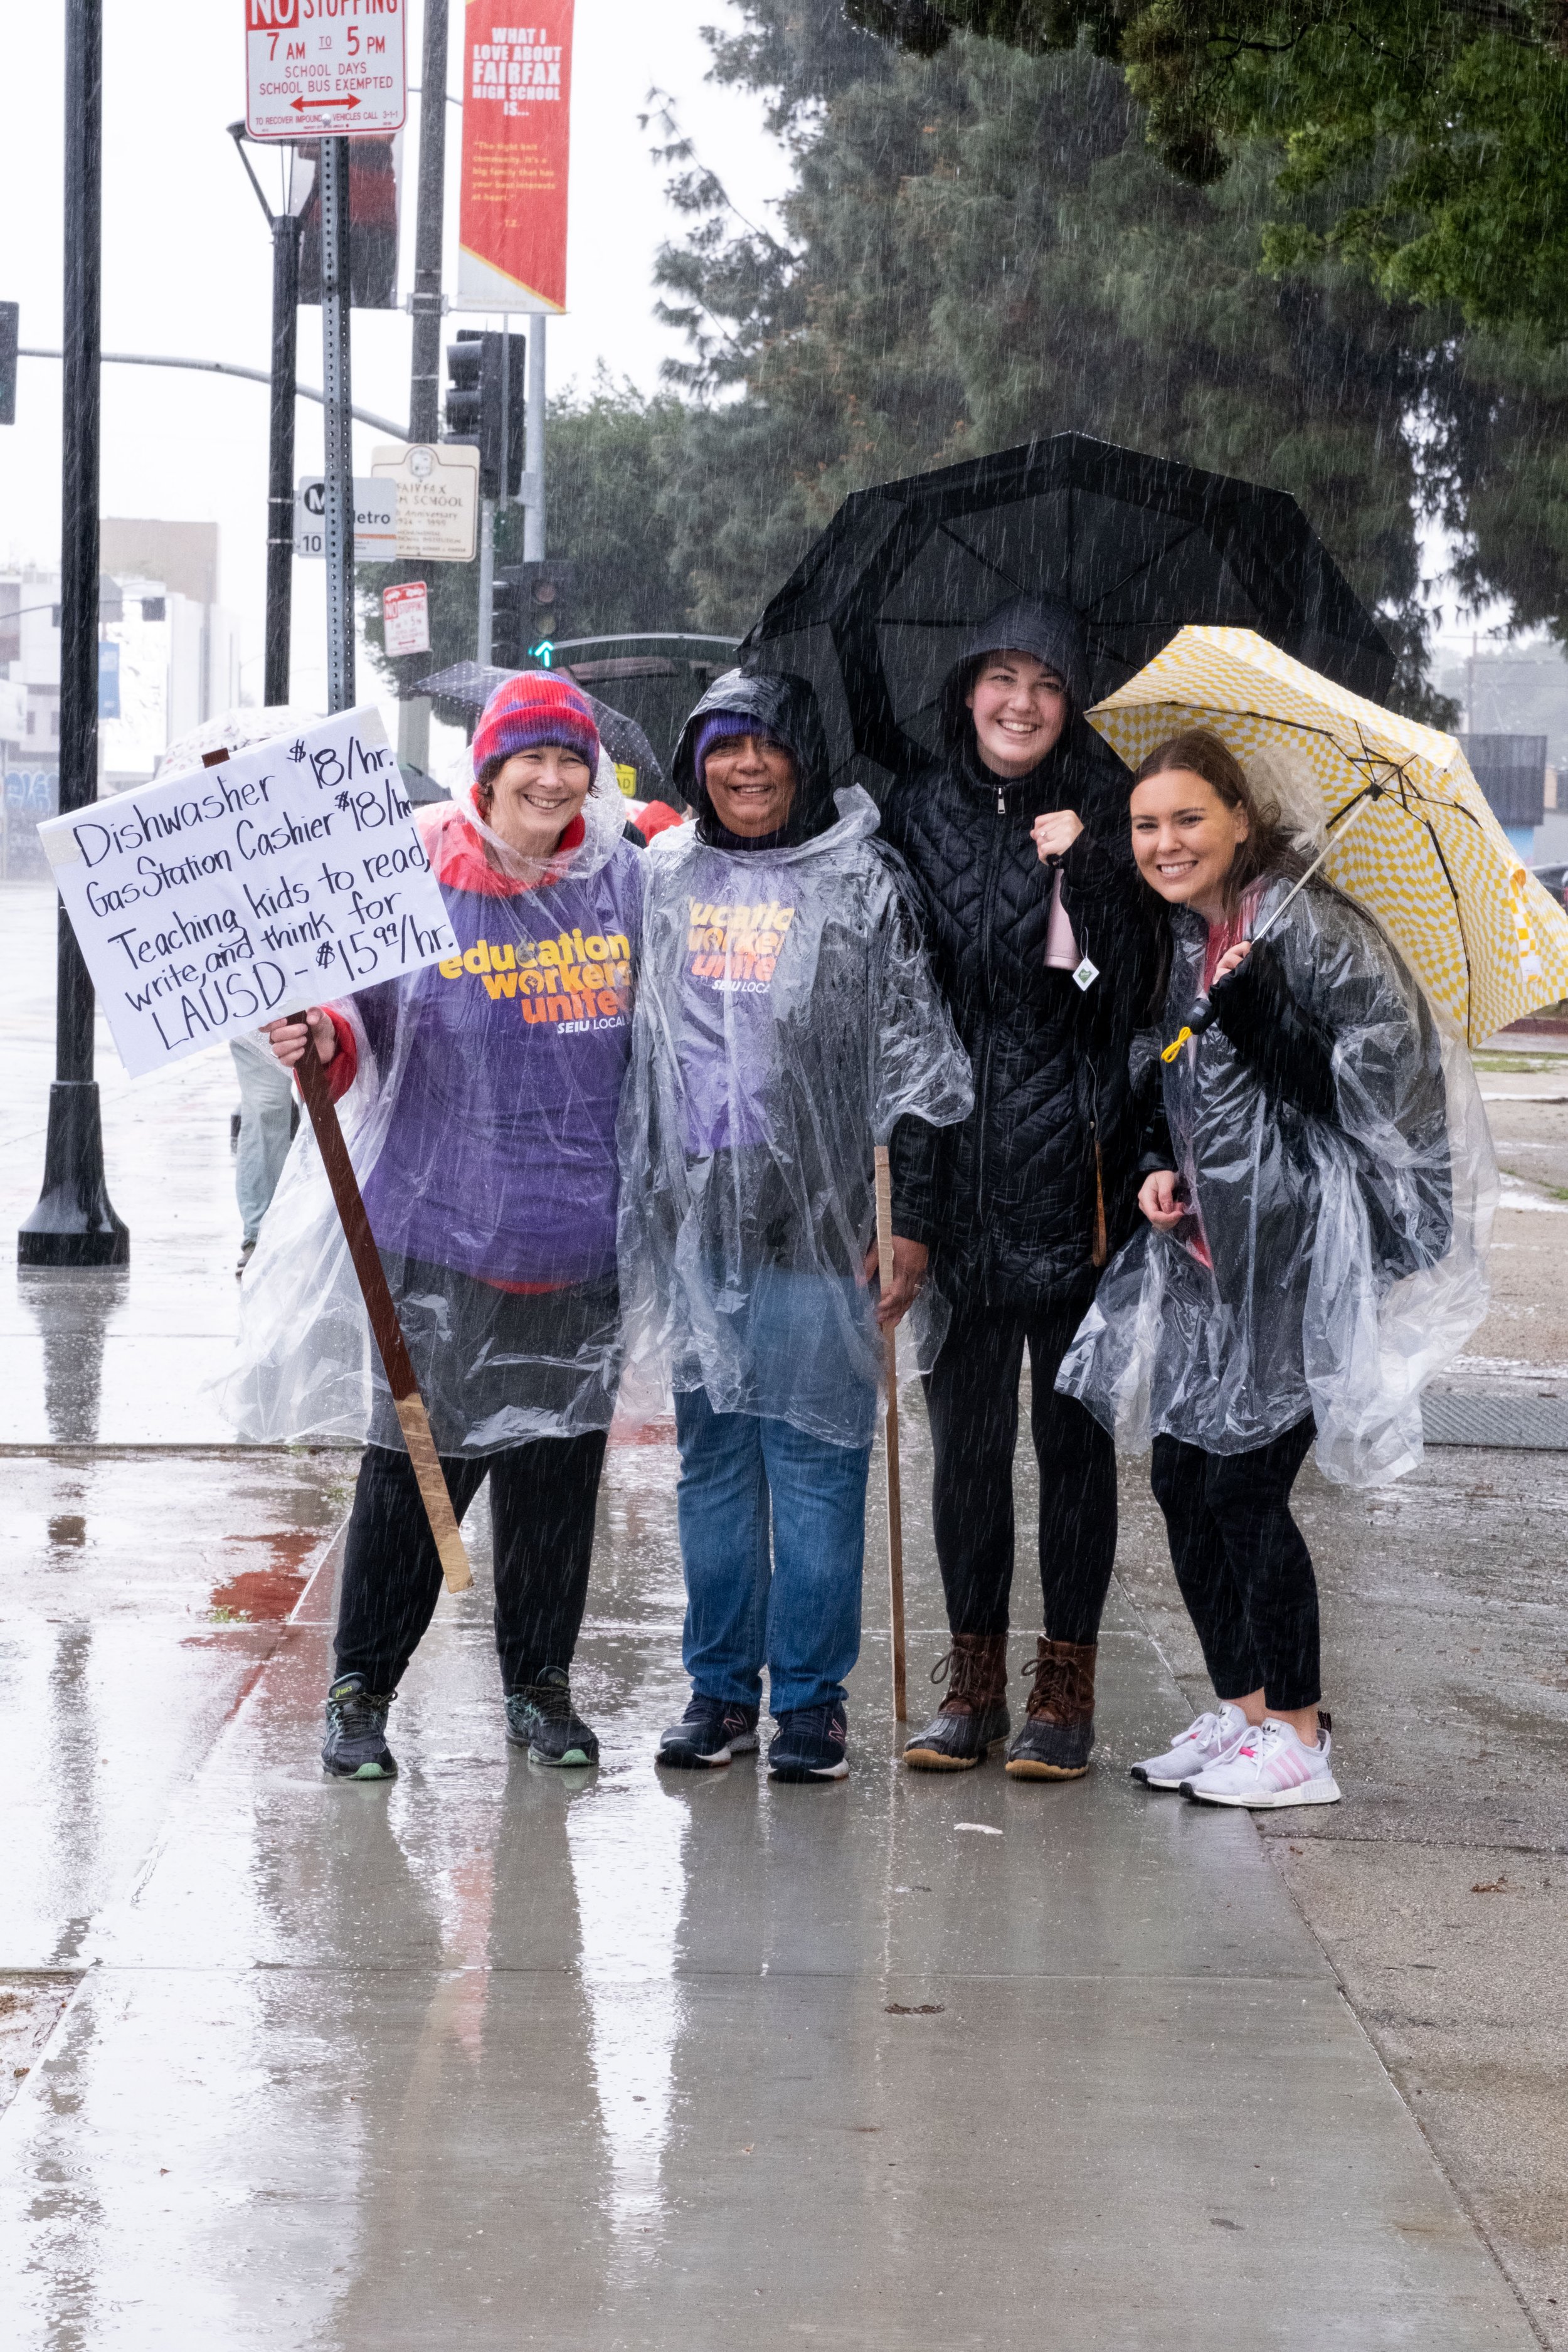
(1045, 947)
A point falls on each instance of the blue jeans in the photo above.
(266, 1127)
(795, 1606)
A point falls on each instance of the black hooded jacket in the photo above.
(1025, 1198)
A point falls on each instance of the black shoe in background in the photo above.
(709, 1733)
(356, 1745)
(541, 1719)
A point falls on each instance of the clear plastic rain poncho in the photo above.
(1328, 1266)
(480, 1121)
(786, 1020)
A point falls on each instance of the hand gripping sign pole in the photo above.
(895, 1496)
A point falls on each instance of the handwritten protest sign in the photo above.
(218, 901)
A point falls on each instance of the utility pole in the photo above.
(74, 1224)
(335, 384)
(285, 227)
(426, 303)
(425, 383)
(533, 446)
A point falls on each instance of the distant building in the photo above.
(1512, 771)
(169, 658)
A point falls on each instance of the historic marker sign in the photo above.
(228, 897)
(314, 68)
(437, 497)
(516, 112)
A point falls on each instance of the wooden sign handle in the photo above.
(895, 1495)
(385, 1329)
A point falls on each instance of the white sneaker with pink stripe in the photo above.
(1271, 1767)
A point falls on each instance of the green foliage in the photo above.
(1437, 130)
(981, 247)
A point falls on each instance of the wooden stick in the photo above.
(895, 1496)
(385, 1325)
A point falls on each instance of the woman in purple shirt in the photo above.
(485, 1091)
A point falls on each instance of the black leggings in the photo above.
(541, 1506)
(1243, 1565)
(971, 1397)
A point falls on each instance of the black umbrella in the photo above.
(877, 612)
(469, 686)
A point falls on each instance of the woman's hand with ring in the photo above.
(1054, 833)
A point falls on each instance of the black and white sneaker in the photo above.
(356, 1745)
(541, 1719)
(709, 1733)
(809, 1744)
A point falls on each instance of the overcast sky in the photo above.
(187, 261)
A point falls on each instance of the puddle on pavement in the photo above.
(32, 2002)
(257, 1595)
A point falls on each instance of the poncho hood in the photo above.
(784, 706)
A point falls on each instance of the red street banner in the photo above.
(517, 116)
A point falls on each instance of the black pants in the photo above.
(1243, 1565)
(542, 1507)
(971, 1397)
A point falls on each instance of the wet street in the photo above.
(493, 2056)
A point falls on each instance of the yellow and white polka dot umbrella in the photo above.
(1420, 846)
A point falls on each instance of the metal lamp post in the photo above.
(299, 174)
(74, 1223)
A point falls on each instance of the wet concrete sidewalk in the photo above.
(494, 2056)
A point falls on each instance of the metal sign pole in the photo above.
(285, 228)
(425, 377)
(340, 468)
(73, 1223)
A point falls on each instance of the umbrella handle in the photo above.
(1200, 1015)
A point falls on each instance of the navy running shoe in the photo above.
(709, 1733)
(809, 1744)
(356, 1745)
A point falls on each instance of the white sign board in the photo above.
(437, 497)
(12, 712)
(405, 618)
(375, 519)
(230, 895)
(314, 68)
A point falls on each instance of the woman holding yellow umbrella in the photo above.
(1319, 1178)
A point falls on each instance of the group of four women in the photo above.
(626, 1134)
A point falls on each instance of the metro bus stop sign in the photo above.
(315, 69)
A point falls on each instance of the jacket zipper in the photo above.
(982, 1091)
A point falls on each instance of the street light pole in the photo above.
(340, 467)
(74, 1224)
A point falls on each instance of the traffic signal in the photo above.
(477, 411)
(528, 613)
(10, 336)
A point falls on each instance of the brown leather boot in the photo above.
(1058, 1730)
(973, 1717)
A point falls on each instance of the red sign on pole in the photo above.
(517, 116)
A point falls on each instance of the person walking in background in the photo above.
(1016, 840)
(1297, 1167)
(266, 1125)
(480, 1096)
(787, 1022)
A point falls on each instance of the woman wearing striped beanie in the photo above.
(480, 1097)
